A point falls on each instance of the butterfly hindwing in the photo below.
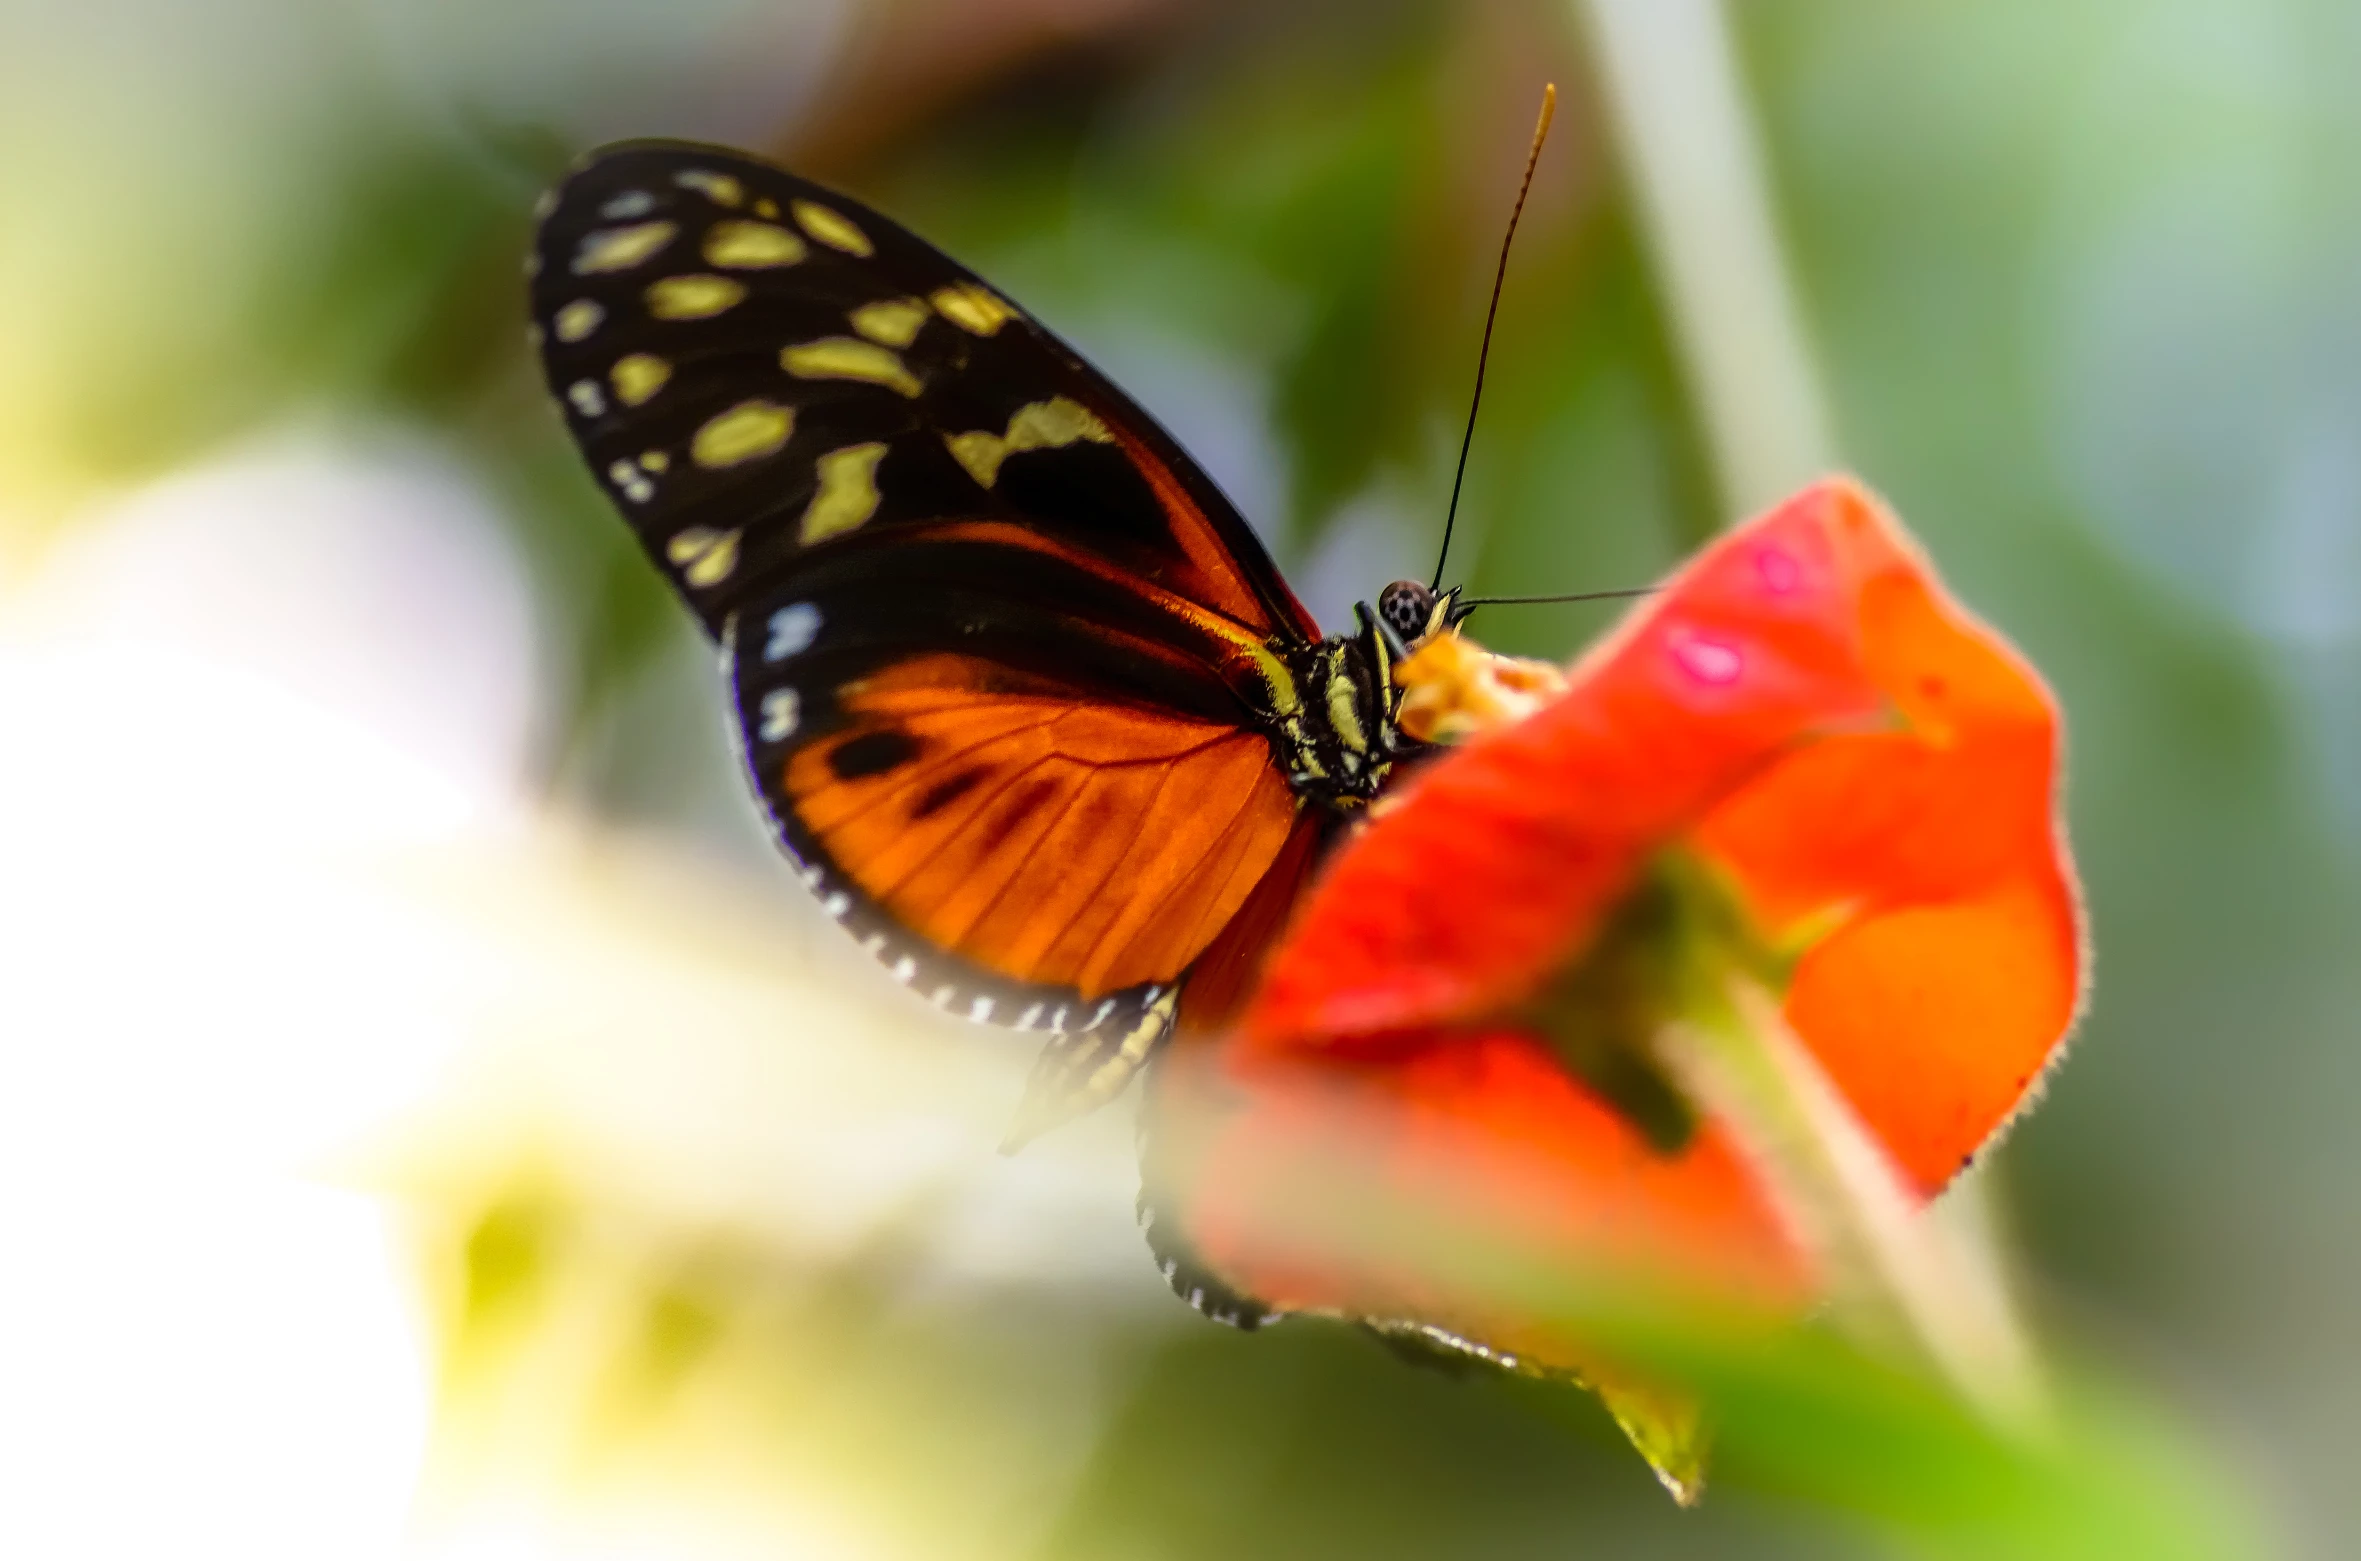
(1031, 826)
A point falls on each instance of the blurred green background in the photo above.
(434, 1126)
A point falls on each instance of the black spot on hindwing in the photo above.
(1011, 812)
(943, 793)
(871, 753)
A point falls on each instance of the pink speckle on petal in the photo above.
(1708, 661)
(1780, 572)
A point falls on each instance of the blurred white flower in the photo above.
(280, 904)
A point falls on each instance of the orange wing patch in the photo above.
(1219, 580)
(1038, 832)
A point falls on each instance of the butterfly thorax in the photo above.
(1337, 740)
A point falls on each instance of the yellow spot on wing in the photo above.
(766, 207)
(703, 556)
(749, 430)
(831, 228)
(619, 249)
(716, 565)
(721, 188)
(848, 492)
(981, 454)
(1061, 420)
(1037, 425)
(656, 461)
(639, 376)
(578, 319)
(750, 246)
(693, 297)
(690, 544)
(845, 357)
(972, 307)
(894, 322)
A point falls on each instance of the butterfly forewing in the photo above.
(754, 366)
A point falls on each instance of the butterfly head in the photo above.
(1412, 611)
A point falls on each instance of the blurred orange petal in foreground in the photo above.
(1800, 761)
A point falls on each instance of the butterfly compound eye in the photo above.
(1406, 606)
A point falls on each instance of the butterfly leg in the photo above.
(1082, 1071)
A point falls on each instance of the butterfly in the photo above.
(1028, 705)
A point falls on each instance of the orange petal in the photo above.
(1934, 851)
(1485, 1125)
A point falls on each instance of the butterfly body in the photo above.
(1029, 707)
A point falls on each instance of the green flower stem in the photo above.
(1896, 1276)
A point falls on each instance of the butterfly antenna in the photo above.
(1463, 607)
(1576, 596)
(1549, 108)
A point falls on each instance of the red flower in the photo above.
(1801, 761)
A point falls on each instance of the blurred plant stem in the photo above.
(1899, 1280)
(1670, 80)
